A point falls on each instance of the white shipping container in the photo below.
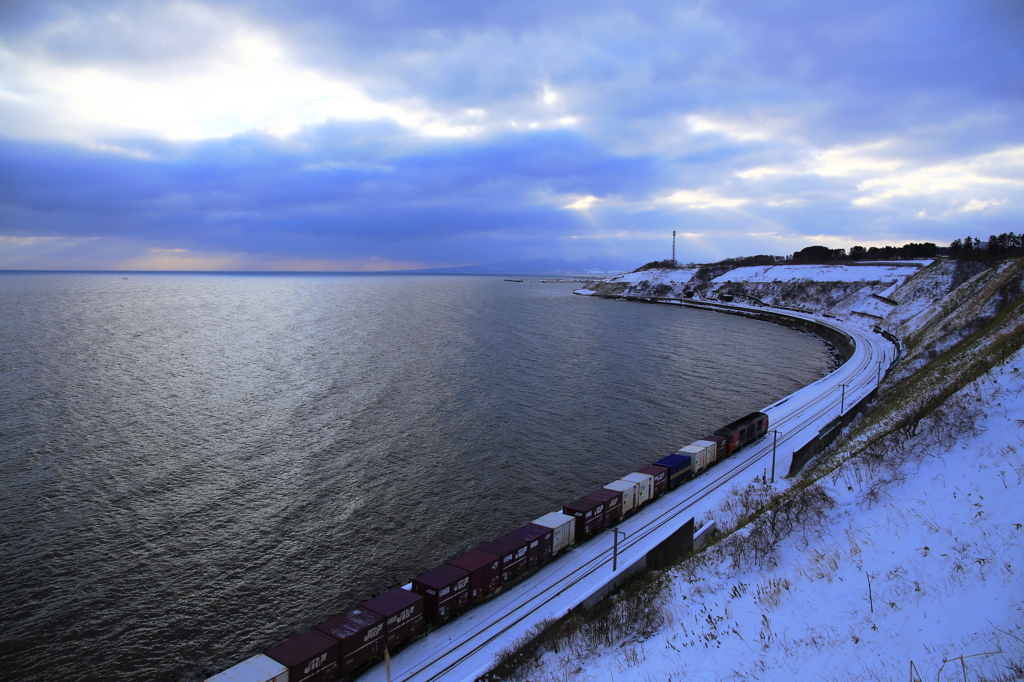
(644, 486)
(259, 668)
(564, 527)
(700, 455)
(712, 447)
(629, 494)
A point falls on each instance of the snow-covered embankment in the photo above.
(896, 557)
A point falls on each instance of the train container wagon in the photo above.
(310, 657)
(710, 445)
(512, 553)
(660, 478)
(444, 589)
(612, 504)
(629, 494)
(541, 540)
(678, 467)
(644, 487)
(341, 645)
(702, 456)
(589, 515)
(484, 570)
(721, 451)
(259, 668)
(743, 431)
(361, 634)
(403, 615)
(564, 528)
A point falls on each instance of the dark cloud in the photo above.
(253, 193)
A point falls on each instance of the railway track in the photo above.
(467, 647)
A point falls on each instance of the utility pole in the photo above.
(842, 401)
(615, 547)
(879, 382)
(775, 445)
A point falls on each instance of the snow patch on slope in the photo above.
(940, 540)
(657, 276)
(819, 273)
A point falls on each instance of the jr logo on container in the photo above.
(402, 617)
(315, 663)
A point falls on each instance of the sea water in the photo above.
(196, 467)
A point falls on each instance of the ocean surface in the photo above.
(194, 467)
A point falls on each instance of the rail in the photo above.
(466, 648)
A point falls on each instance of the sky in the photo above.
(380, 135)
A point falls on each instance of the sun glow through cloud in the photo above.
(703, 198)
(249, 85)
(583, 203)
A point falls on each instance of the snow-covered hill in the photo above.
(939, 537)
(839, 289)
(896, 555)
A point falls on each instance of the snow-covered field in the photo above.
(820, 273)
(913, 568)
(657, 276)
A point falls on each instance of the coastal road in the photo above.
(469, 646)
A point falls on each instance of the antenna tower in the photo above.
(673, 246)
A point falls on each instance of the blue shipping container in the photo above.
(678, 469)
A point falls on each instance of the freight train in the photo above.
(347, 644)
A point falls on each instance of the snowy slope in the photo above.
(838, 289)
(940, 538)
(819, 273)
(934, 519)
(681, 276)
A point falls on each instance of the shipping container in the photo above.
(629, 494)
(612, 504)
(721, 451)
(444, 589)
(644, 486)
(310, 657)
(678, 469)
(589, 515)
(361, 633)
(702, 456)
(484, 572)
(512, 552)
(564, 528)
(259, 668)
(403, 615)
(711, 446)
(540, 538)
(660, 478)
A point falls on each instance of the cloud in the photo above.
(461, 132)
(583, 203)
(703, 198)
(247, 83)
(1001, 169)
(736, 130)
(185, 260)
(95, 253)
(975, 205)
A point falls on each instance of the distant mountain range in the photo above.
(542, 266)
